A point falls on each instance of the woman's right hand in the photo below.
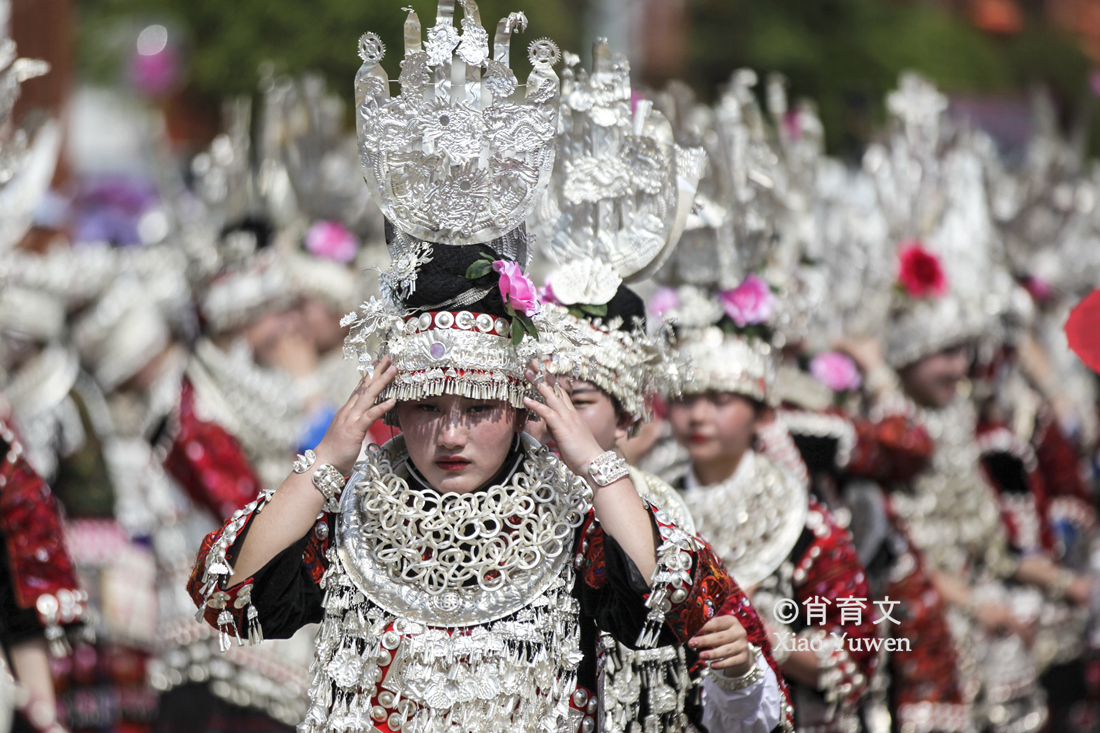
(344, 437)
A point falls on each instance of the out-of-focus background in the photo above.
(186, 56)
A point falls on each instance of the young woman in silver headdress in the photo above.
(617, 376)
(462, 574)
(774, 537)
(471, 569)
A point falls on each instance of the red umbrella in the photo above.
(1083, 330)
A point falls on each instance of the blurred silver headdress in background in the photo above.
(303, 129)
(930, 188)
(27, 158)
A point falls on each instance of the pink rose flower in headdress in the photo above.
(331, 241)
(920, 272)
(663, 301)
(517, 289)
(836, 371)
(750, 303)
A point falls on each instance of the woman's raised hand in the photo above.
(345, 435)
(576, 444)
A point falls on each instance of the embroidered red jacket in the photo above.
(39, 589)
(207, 461)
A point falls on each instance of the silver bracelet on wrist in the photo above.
(748, 679)
(305, 461)
(330, 482)
(607, 468)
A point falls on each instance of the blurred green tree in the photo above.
(226, 42)
(844, 54)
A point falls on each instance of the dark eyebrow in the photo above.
(585, 388)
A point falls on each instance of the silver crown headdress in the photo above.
(226, 179)
(622, 189)
(304, 132)
(616, 207)
(452, 159)
(731, 232)
(828, 217)
(706, 251)
(751, 173)
(304, 139)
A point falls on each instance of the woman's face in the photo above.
(607, 423)
(933, 381)
(713, 426)
(322, 324)
(456, 443)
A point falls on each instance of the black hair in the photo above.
(627, 305)
(260, 227)
(443, 279)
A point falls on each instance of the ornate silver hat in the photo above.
(717, 361)
(237, 297)
(456, 351)
(939, 235)
(630, 365)
(31, 313)
(621, 193)
(452, 159)
(121, 333)
(622, 188)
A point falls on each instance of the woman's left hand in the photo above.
(576, 444)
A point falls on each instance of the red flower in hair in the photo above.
(920, 272)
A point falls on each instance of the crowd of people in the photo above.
(781, 443)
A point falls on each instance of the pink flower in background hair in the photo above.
(545, 294)
(792, 124)
(663, 301)
(750, 303)
(920, 271)
(1038, 288)
(517, 289)
(836, 371)
(332, 241)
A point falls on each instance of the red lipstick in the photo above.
(453, 463)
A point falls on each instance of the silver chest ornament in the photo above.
(449, 612)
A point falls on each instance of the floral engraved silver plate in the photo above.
(452, 159)
(623, 190)
(452, 560)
